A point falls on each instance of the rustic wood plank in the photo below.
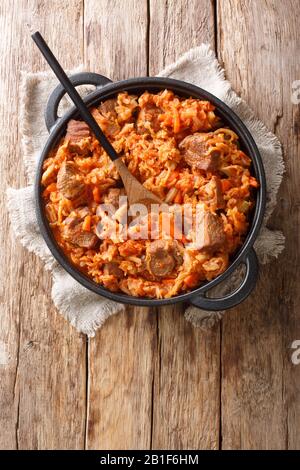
(187, 374)
(116, 38)
(121, 356)
(121, 376)
(258, 42)
(186, 387)
(175, 27)
(43, 378)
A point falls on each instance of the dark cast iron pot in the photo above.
(105, 89)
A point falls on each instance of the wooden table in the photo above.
(149, 379)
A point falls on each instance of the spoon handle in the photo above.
(74, 95)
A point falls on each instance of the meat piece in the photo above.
(210, 232)
(73, 233)
(68, 182)
(112, 196)
(78, 135)
(218, 198)
(178, 252)
(107, 108)
(214, 193)
(113, 269)
(77, 130)
(149, 113)
(161, 262)
(163, 256)
(84, 239)
(196, 153)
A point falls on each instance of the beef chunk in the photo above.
(72, 232)
(78, 134)
(77, 130)
(194, 149)
(113, 269)
(107, 108)
(68, 182)
(210, 232)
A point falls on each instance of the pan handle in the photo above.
(238, 295)
(83, 78)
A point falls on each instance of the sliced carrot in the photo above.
(226, 184)
(253, 182)
(86, 226)
(172, 178)
(172, 228)
(176, 122)
(96, 194)
(178, 198)
(50, 189)
(191, 280)
(184, 239)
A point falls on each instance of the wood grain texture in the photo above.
(175, 27)
(122, 355)
(116, 37)
(187, 363)
(258, 43)
(43, 380)
(186, 386)
(121, 380)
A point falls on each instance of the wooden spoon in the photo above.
(135, 191)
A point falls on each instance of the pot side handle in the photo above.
(238, 295)
(83, 78)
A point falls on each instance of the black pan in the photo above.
(106, 89)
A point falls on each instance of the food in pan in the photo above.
(181, 151)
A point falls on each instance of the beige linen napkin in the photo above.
(85, 310)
